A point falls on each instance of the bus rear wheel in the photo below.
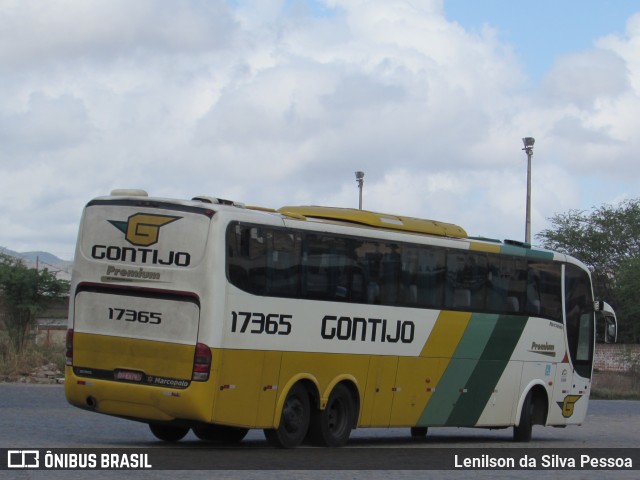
(220, 433)
(168, 433)
(332, 426)
(294, 422)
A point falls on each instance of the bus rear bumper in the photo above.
(140, 402)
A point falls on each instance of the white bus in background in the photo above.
(307, 322)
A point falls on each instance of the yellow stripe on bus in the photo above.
(485, 247)
(446, 334)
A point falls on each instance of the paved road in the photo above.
(37, 416)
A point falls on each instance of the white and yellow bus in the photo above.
(308, 322)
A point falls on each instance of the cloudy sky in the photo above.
(275, 102)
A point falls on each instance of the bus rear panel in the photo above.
(132, 345)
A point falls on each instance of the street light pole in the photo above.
(528, 148)
(360, 180)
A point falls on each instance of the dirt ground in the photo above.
(616, 385)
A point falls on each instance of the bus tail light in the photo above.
(69, 347)
(201, 363)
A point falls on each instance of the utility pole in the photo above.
(528, 148)
(360, 180)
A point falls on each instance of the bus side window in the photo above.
(342, 269)
(368, 257)
(322, 266)
(245, 258)
(534, 304)
(408, 288)
(390, 275)
(467, 277)
(354, 276)
(544, 290)
(256, 260)
(431, 275)
(236, 273)
(315, 261)
(283, 263)
(507, 285)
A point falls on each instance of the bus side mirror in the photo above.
(606, 322)
(611, 335)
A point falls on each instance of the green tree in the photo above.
(627, 286)
(25, 293)
(607, 240)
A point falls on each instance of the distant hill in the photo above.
(41, 256)
(43, 260)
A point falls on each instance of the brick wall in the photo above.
(616, 357)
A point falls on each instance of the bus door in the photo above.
(573, 379)
(381, 381)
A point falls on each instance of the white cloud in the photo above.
(95, 30)
(48, 125)
(275, 102)
(585, 78)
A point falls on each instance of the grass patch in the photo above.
(616, 385)
(14, 365)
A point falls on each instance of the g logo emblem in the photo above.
(568, 404)
(143, 229)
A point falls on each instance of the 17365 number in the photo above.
(129, 315)
(256, 322)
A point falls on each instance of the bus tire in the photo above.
(220, 433)
(522, 431)
(168, 433)
(294, 421)
(332, 426)
(419, 432)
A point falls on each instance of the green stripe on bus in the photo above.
(513, 250)
(444, 398)
(488, 370)
(529, 253)
(479, 331)
(470, 348)
(539, 255)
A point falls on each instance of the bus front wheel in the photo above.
(294, 422)
(168, 433)
(522, 431)
(332, 426)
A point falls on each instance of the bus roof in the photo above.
(375, 219)
(356, 218)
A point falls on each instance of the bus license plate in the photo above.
(128, 375)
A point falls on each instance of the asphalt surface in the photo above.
(38, 417)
